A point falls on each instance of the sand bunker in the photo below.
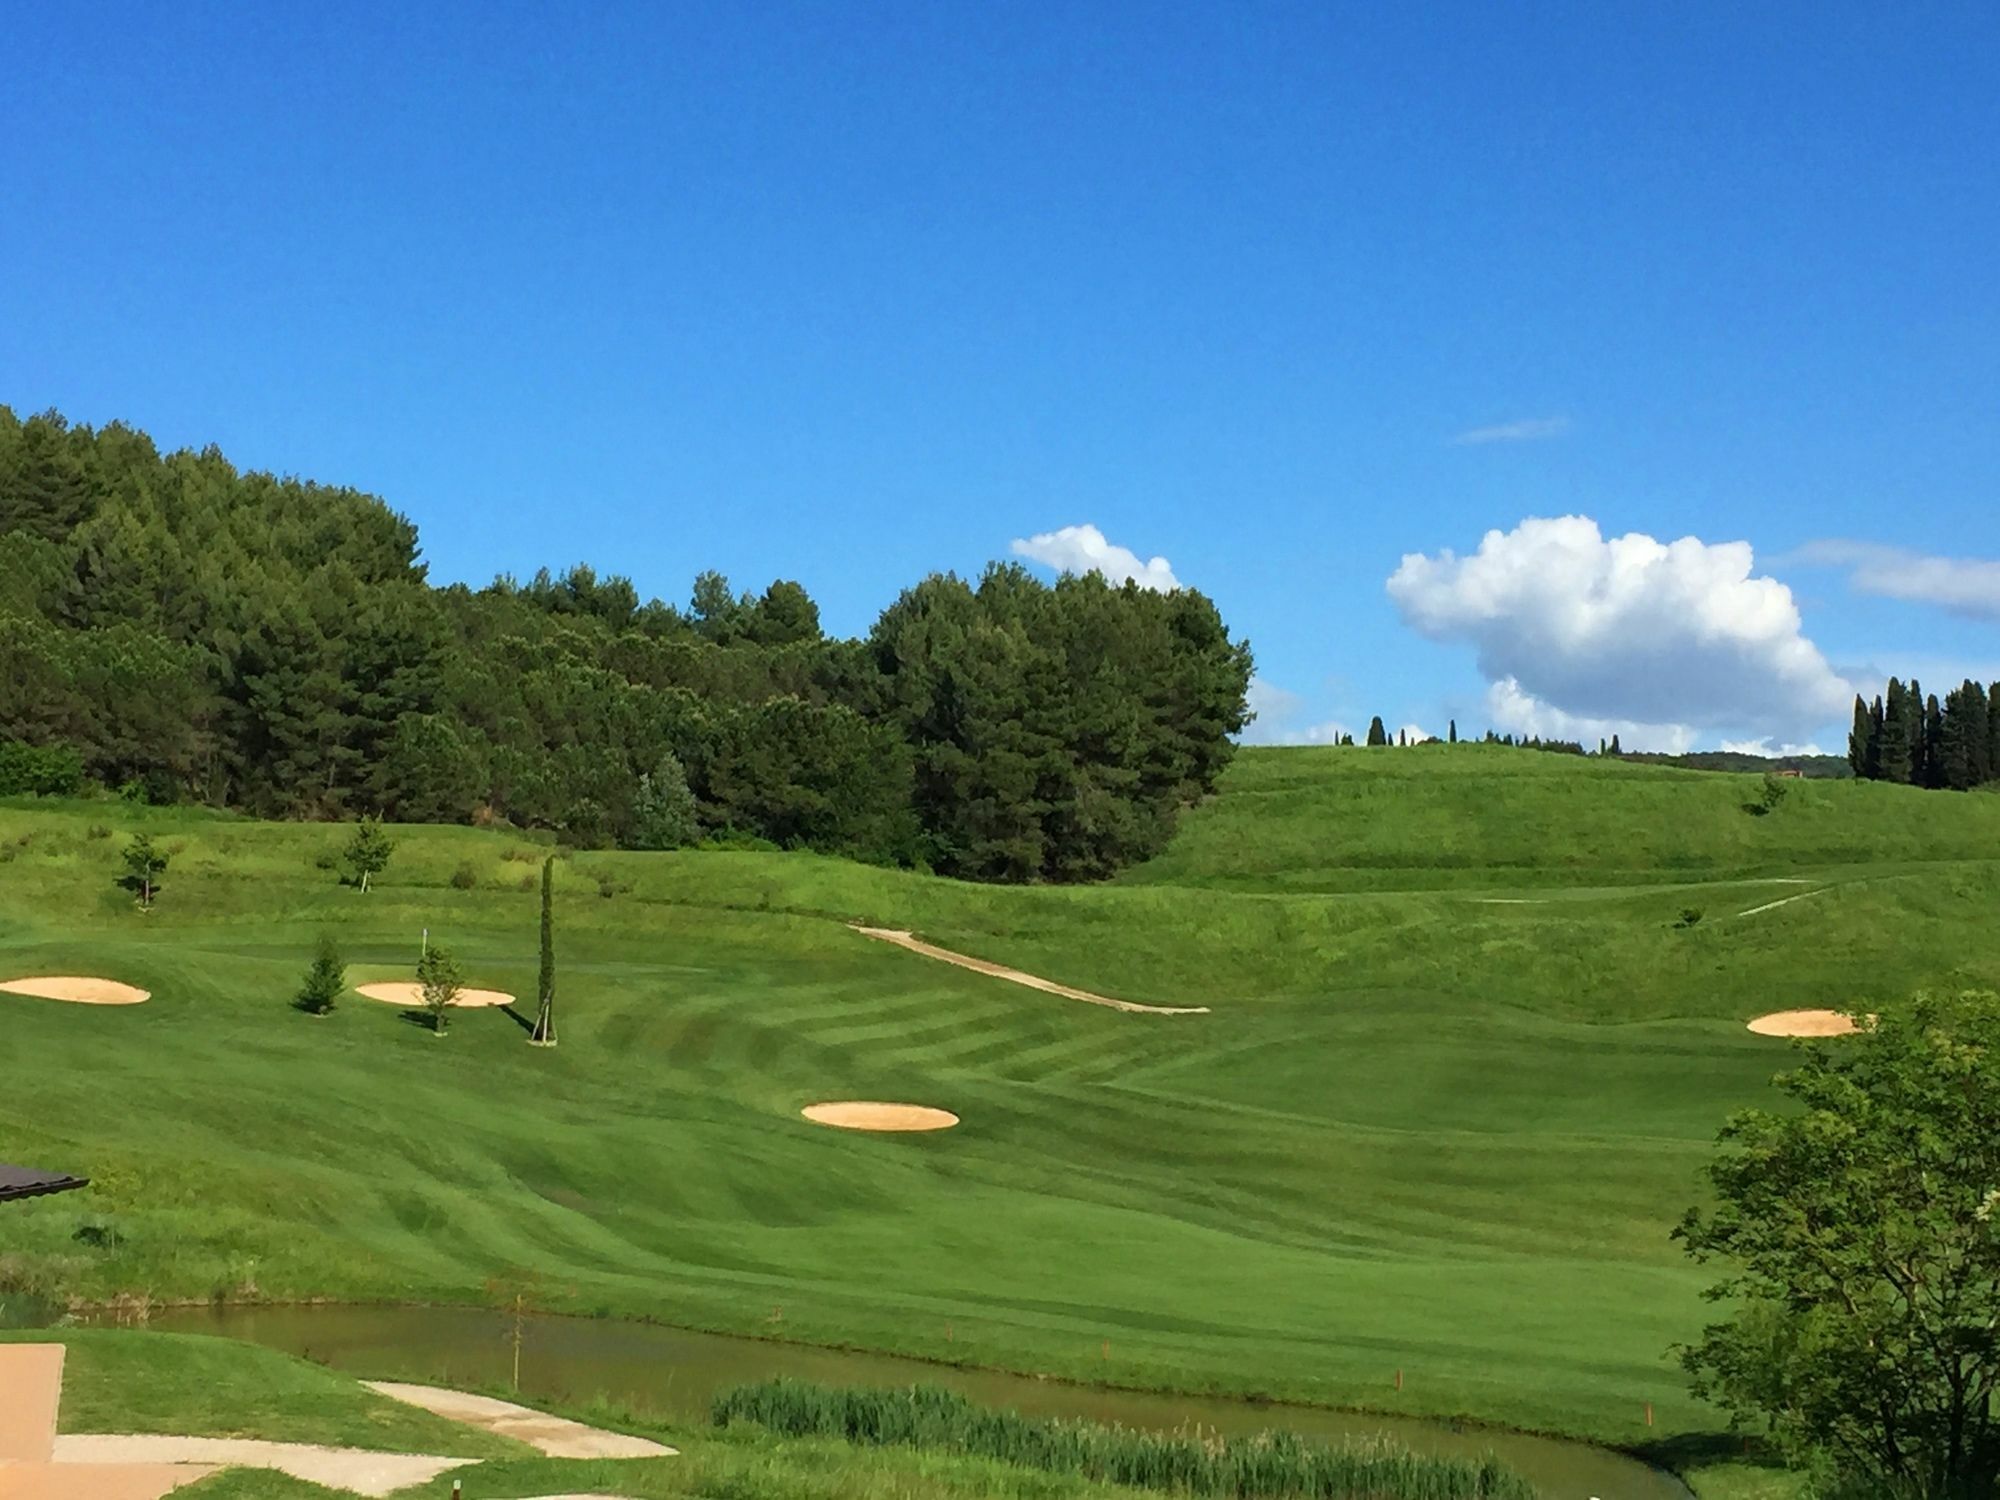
(855, 1115)
(1034, 982)
(1806, 1023)
(76, 990)
(412, 995)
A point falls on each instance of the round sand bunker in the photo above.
(412, 995)
(76, 990)
(857, 1115)
(1806, 1023)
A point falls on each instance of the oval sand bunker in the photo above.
(401, 993)
(76, 990)
(1805, 1023)
(856, 1115)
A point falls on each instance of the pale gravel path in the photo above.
(553, 1437)
(339, 1468)
(1787, 901)
(915, 944)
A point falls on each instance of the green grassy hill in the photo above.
(1461, 1072)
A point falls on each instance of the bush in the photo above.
(98, 831)
(53, 772)
(1269, 1464)
(324, 980)
(1690, 915)
(606, 887)
(464, 878)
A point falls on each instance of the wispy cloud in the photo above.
(1528, 430)
(1085, 549)
(1963, 585)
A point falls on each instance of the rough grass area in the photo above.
(1464, 1065)
(116, 1381)
(1270, 1464)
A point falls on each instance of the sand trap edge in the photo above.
(862, 1114)
(74, 989)
(1808, 1023)
(411, 995)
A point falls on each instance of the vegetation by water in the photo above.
(1272, 1464)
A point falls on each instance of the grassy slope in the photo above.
(1421, 1130)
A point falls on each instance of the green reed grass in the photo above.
(1275, 1464)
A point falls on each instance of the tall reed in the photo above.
(1280, 1465)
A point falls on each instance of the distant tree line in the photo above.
(182, 630)
(1905, 737)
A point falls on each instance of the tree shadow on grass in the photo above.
(420, 1018)
(517, 1018)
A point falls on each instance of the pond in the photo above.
(674, 1373)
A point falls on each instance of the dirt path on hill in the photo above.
(357, 1469)
(1786, 901)
(553, 1437)
(1000, 971)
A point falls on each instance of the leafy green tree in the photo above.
(438, 983)
(145, 863)
(1771, 794)
(664, 812)
(368, 852)
(544, 1034)
(324, 980)
(1377, 735)
(1861, 1226)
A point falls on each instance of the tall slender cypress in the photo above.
(544, 1034)
(1860, 737)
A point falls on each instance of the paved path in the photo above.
(555, 1437)
(1034, 982)
(356, 1469)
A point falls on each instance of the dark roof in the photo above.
(25, 1182)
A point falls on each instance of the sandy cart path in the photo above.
(1000, 971)
(338, 1468)
(554, 1437)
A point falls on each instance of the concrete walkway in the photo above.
(554, 1437)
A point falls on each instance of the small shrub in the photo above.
(326, 859)
(324, 980)
(98, 831)
(41, 773)
(1690, 916)
(606, 887)
(464, 878)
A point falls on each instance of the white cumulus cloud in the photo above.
(1085, 549)
(1530, 430)
(1963, 585)
(1518, 712)
(1577, 631)
(1276, 711)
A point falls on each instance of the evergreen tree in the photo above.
(1933, 756)
(1901, 729)
(1616, 749)
(1377, 735)
(1451, 732)
(664, 811)
(1860, 739)
(544, 1034)
(324, 980)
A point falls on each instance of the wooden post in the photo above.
(1649, 1414)
(1399, 1379)
(1106, 1353)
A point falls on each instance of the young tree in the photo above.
(324, 980)
(1864, 1227)
(1771, 795)
(544, 1034)
(440, 982)
(1377, 735)
(145, 863)
(368, 851)
(663, 809)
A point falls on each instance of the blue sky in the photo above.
(1281, 294)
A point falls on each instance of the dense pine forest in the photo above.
(1905, 737)
(177, 629)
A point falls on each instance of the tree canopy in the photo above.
(1863, 1228)
(173, 625)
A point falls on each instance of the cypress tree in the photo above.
(1377, 735)
(544, 1034)
(1860, 737)
(1900, 728)
(1933, 758)
(1876, 715)
(1616, 748)
(1453, 732)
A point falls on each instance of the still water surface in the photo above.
(674, 1373)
